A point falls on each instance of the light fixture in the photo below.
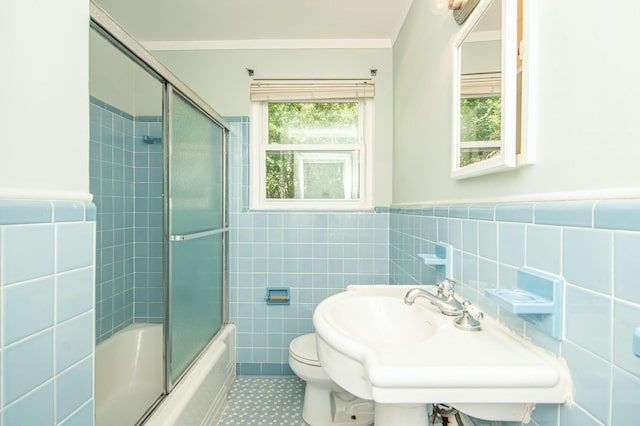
(456, 4)
(462, 9)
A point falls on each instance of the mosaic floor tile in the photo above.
(274, 401)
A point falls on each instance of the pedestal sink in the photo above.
(402, 357)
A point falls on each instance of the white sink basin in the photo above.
(381, 320)
(378, 348)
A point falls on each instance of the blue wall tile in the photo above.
(26, 365)
(470, 236)
(74, 388)
(33, 292)
(27, 252)
(545, 414)
(511, 244)
(122, 203)
(314, 253)
(626, 389)
(576, 416)
(27, 309)
(74, 247)
(82, 417)
(35, 408)
(544, 248)
(626, 318)
(487, 275)
(591, 375)
(488, 240)
(74, 341)
(589, 320)
(627, 266)
(587, 257)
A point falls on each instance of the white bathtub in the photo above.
(129, 374)
(130, 363)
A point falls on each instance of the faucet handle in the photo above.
(445, 287)
(470, 318)
(474, 312)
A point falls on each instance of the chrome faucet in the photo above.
(444, 298)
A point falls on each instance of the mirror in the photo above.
(492, 90)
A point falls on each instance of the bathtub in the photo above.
(129, 374)
(130, 363)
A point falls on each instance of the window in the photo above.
(311, 144)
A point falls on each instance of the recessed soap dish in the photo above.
(520, 301)
(538, 299)
(441, 258)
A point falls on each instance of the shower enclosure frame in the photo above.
(123, 41)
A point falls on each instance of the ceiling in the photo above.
(348, 21)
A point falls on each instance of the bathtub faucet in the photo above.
(444, 299)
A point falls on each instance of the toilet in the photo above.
(325, 403)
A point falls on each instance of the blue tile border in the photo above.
(567, 213)
(68, 211)
(112, 109)
(482, 212)
(147, 118)
(23, 212)
(618, 214)
(13, 212)
(607, 214)
(263, 369)
(460, 212)
(90, 212)
(518, 212)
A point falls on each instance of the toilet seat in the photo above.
(303, 349)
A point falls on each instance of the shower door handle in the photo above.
(197, 235)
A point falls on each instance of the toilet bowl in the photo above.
(325, 403)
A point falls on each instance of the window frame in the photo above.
(259, 147)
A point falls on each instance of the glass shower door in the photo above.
(196, 233)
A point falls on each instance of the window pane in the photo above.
(318, 175)
(313, 123)
(480, 130)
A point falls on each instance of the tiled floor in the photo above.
(275, 401)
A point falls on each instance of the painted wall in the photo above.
(587, 119)
(221, 79)
(44, 155)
